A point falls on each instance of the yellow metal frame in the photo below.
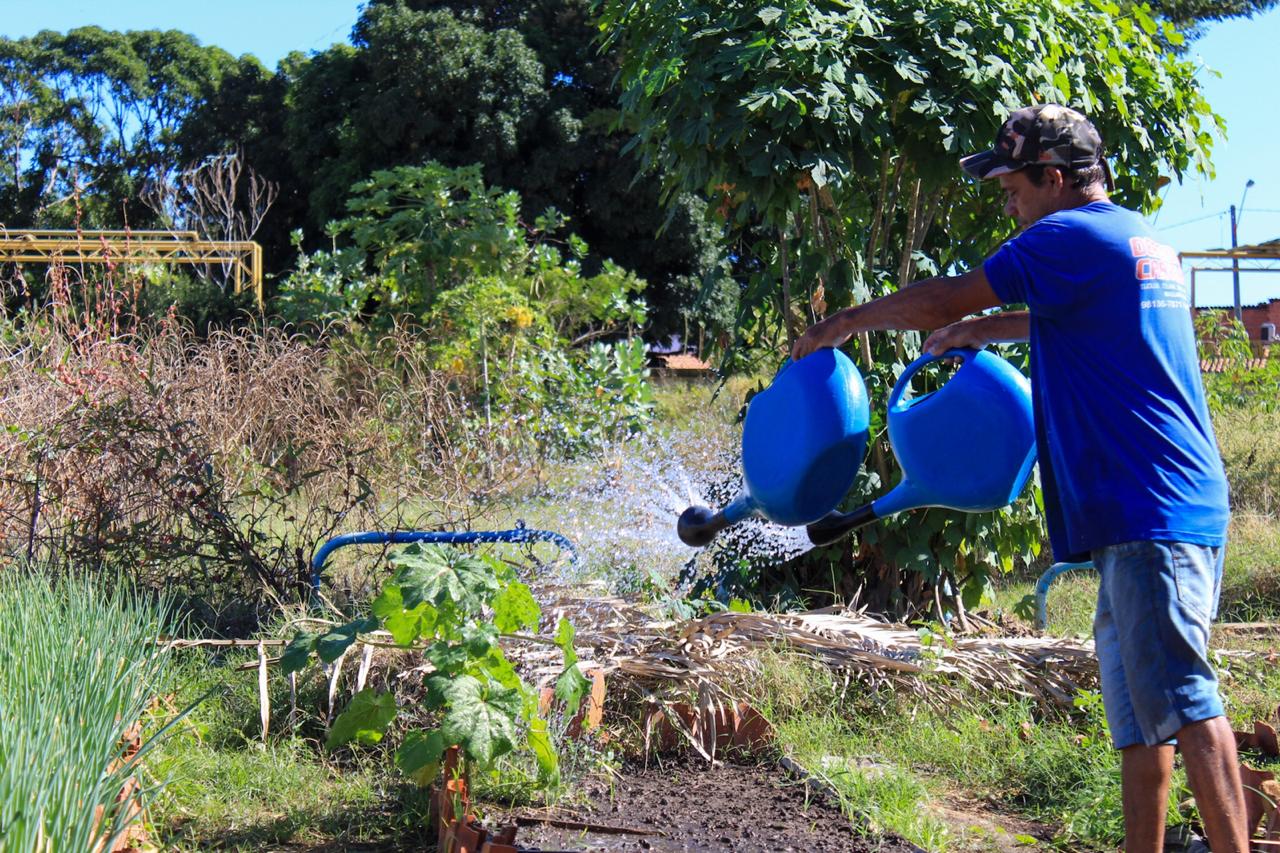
(36, 245)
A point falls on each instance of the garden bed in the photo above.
(684, 804)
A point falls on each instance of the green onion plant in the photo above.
(78, 667)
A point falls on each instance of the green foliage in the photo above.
(364, 720)
(572, 684)
(89, 117)
(95, 108)
(428, 228)
(496, 325)
(749, 101)
(829, 132)
(520, 90)
(325, 286)
(505, 311)
(1243, 382)
(573, 406)
(415, 85)
(452, 606)
(826, 134)
(78, 666)
(448, 248)
(1190, 14)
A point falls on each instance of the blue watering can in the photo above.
(970, 445)
(802, 444)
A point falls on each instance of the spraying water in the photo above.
(622, 514)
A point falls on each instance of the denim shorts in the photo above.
(1151, 632)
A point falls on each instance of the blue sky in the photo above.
(268, 29)
(1194, 215)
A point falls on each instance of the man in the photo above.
(1131, 472)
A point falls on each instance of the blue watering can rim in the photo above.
(895, 402)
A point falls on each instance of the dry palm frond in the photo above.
(684, 657)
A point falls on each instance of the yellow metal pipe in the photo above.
(245, 256)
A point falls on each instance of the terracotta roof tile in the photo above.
(1220, 365)
(683, 361)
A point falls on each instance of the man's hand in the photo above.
(830, 332)
(965, 334)
(977, 332)
(928, 304)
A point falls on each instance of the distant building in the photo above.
(679, 364)
(1261, 319)
(673, 357)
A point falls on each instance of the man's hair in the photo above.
(1078, 178)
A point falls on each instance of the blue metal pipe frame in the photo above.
(518, 534)
(1042, 589)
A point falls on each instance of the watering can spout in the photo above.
(698, 525)
(835, 525)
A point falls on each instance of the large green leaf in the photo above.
(330, 646)
(419, 756)
(440, 576)
(437, 691)
(365, 720)
(514, 608)
(500, 669)
(481, 718)
(448, 658)
(298, 652)
(572, 685)
(544, 751)
(478, 640)
(406, 626)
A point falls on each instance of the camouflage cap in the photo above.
(1046, 135)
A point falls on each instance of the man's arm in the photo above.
(977, 332)
(929, 304)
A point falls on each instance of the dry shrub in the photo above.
(215, 466)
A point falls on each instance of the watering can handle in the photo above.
(904, 381)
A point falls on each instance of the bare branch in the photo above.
(220, 198)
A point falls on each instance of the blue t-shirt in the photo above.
(1125, 444)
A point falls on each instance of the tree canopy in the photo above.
(91, 115)
(739, 102)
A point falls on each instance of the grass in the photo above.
(1251, 574)
(78, 666)
(283, 793)
(804, 705)
(893, 762)
(224, 787)
(1250, 445)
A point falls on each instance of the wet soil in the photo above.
(686, 805)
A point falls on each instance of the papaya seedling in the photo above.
(455, 607)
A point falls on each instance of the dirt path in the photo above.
(981, 828)
(685, 805)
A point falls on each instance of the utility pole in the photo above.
(1235, 262)
(1235, 266)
